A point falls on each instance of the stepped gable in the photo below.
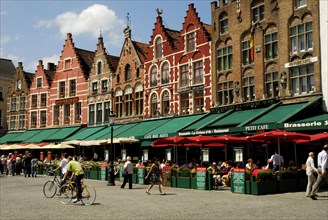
(7, 68)
(141, 49)
(86, 59)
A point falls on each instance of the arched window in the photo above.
(153, 76)
(99, 67)
(271, 81)
(127, 73)
(165, 103)
(158, 48)
(224, 25)
(139, 99)
(128, 101)
(225, 90)
(165, 73)
(248, 86)
(300, 34)
(224, 56)
(271, 43)
(154, 110)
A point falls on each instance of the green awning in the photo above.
(172, 126)
(319, 122)
(61, 134)
(143, 128)
(42, 135)
(26, 135)
(97, 135)
(9, 137)
(146, 143)
(84, 133)
(237, 117)
(116, 131)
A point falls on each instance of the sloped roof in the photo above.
(28, 78)
(113, 62)
(141, 49)
(173, 36)
(50, 75)
(86, 58)
(7, 68)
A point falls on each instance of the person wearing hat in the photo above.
(322, 171)
(250, 166)
(310, 170)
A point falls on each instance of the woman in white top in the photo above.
(310, 170)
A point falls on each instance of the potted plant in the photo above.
(193, 178)
(263, 183)
(286, 181)
(183, 180)
(94, 171)
(247, 182)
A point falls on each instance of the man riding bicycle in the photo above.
(78, 172)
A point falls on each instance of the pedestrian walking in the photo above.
(27, 165)
(322, 171)
(127, 173)
(277, 161)
(156, 177)
(310, 171)
(33, 166)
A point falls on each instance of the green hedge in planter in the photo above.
(183, 182)
(193, 182)
(94, 174)
(264, 183)
(173, 181)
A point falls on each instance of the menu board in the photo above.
(201, 178)
(141, 175)
(166, 173)
(238, 181)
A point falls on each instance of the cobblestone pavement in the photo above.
(22, 198)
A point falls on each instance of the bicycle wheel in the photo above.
(49, 189)
(65, 194)
(88, 194)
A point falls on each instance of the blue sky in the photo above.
(36, 30)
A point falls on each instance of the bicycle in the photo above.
(51, 186)
(68, 191)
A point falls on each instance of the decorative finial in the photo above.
(159, 11)
(128, 19)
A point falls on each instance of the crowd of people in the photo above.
(15, 164)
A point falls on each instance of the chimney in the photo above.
(20, 64)
(51, 66)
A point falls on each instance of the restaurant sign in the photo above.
(307, 125)
(190, 88)
(203, 132)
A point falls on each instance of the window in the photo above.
(43, 100)
(92, 114)
(198, 72)
(43, 118)
(94, 88)
(225, 2)
(72, 87)
(138, 73)
(199, 101)
(67, 64)
(22, 122)
(127, 73)
(39, 82)
(104, 85)
(300, 3)
(19, 85)
(61, 89)
(34, 101)
(166, 103)
(165, 74)
(33, 119)
(107, 111)
(224, 24)
(184, 76)
(139, 103)
(258, 12)
(302, 78)
(99, 67)
(1, 94)
(67, 113)
(22, 102)
(249, 88)
(119, 105)
(271, 84)
(271, 45)
(56, 115)
(158, 48)
(99, 113)
(128, 104)
(301, 37)
(191, 41)
(184, 99)
(12, 122)
(78, 112)
(153, 76)
(246, 51)
(13, 103)
(154, 110)
(225, 58)
(118, 79)
(225, 91)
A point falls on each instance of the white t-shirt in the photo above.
(128, 166)
(63, 165)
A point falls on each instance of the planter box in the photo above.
(193, 183)
(103, 175)
(87, 174)
(248, 187)
(134, 178)
(263, 187)
(287, 185)
(94, 175)
(183, 182)
(173, 181)
(302, 184)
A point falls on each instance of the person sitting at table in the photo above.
(250, 166)
(214, 170)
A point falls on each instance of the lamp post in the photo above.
(111, 156)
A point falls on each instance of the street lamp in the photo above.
(111, 153)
